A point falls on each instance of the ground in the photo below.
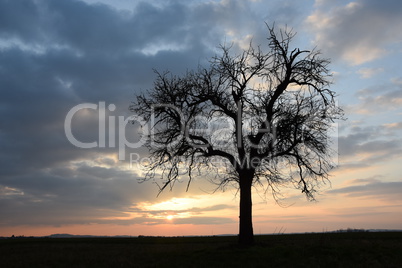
(284, 250)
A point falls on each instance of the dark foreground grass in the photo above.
(295, 250)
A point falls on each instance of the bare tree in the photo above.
(263, 116)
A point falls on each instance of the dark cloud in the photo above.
(69, 195)
(20, 19)
(55, 55)
(88, 54)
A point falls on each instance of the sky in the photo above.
(59, 57)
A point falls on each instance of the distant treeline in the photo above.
(351, 230)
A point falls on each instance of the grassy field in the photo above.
(294, 250)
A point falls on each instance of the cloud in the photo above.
(368, 146)
(82, 60)
(179, 211)
(369, 72)
(174, 221)
(203, 220)
(383, 98)
(373, 179)
(348, 144)
(389, 191)
(358, 31)
(397, 125)
(55, 55)
(64, 196)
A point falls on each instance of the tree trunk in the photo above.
(246, 235)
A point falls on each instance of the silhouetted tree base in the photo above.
(246, 235)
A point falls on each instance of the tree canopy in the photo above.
(253, 118)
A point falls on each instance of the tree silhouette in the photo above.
(253, 119)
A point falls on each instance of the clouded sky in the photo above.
(55, 55)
